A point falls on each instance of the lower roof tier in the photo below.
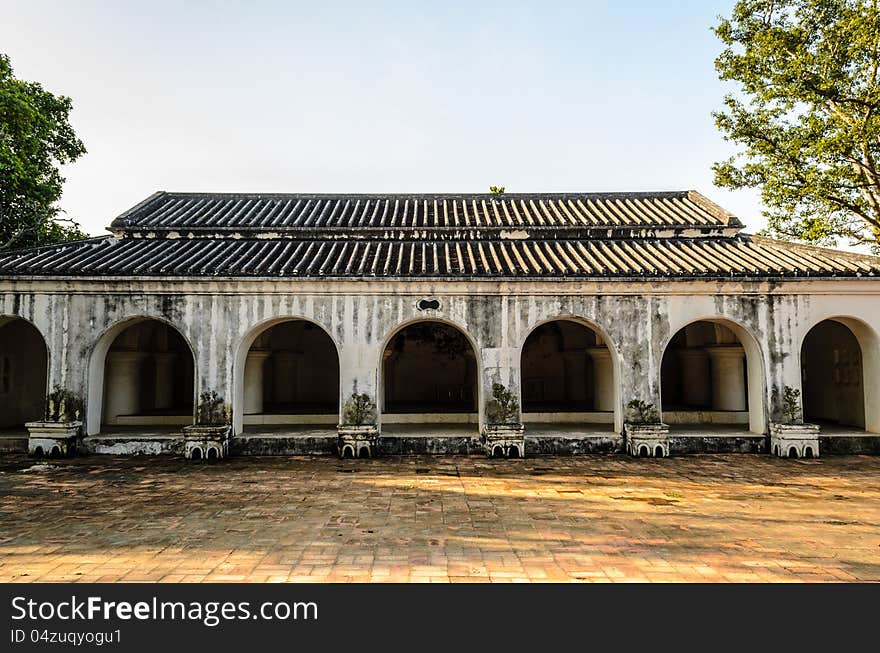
(741, 256)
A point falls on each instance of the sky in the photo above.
(378, 97)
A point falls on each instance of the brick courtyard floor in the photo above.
(460, 519)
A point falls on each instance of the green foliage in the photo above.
(791, 404)
(212, 410)
(503, 408)
(63, 406)
(359, 410)
(496, 190)
(806, 115)
(640, 412)
(36, 138)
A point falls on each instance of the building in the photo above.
(646, 322)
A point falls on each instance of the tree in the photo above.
(807, 115)
(496, 190)
(35, 140)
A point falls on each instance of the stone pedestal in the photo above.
(647, 440)
(254, 367)
(728, 377)
(52, 439)
(504, 440)
(694, 377)
(206, 442)
(357, 441)
(794, 440)
(123, 384)
(603, 379)
(164, 379)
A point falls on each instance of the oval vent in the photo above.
(428, 304)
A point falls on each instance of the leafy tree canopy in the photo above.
(35, 140)
(496, 190)
(806, 115)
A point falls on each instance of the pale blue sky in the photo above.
(394, 96)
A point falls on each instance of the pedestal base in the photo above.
(647, 440)
(52, 439)
(794, 440)
(504, 440)
(357, 441)
(206, 442)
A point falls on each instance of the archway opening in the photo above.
(568, 375)
(832, 377)
(149, 377)
(23, 374)
(712, 380)
(430, 378)
(291, 377)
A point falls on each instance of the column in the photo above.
(603, 378)
(253, 380)
(694, 376)
(123, 384)
(164, 379)
(728, 377)
(574, 375)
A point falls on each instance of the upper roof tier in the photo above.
(405, 216)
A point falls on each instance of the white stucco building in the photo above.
(605, 316)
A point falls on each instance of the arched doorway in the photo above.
(290, 377)
(430, 376)
(833, 379)
(567, 372)
(146, 380)
(712, 378)
(23, 375)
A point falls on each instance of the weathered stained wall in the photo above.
(220, 320)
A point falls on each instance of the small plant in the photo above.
(63, 406)
(212, 410)
(641, 412)
(503, 408)
(359, 410)
(496, 190)
(791, 405)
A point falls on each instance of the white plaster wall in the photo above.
(221, 318)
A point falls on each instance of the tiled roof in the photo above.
(740, 256)
(369, 214)
(575, 235)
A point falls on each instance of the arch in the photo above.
(477, 372)
(240, 362)
(24, 373)
(613, 398)
(753, 375)
(865, 413)
(95, 406)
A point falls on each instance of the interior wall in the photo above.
(23, 372)
(557, 369)
(150, 364)
(300, 373)
(832, 375)
(426, 375)
(686, 371)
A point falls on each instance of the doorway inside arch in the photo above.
(291, 378)
(832, 377)
(148, 382)
(711, 382)
(568, 379)
(23, 375)
(429, 381)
